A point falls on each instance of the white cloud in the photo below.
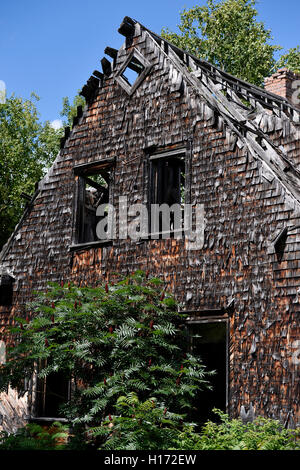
(2, 92)
(56, 124)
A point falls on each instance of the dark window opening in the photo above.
(6, 290)
(53, 392)
(280, 244)
(132, 71)
(93, 191)
(167, 186)
(209, 341)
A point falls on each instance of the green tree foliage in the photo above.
(290, 60)
(113, 340)
(69, 110)
(27, 148)
(227, 34)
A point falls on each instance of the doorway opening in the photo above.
(209, 340)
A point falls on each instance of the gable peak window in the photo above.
(133, 71)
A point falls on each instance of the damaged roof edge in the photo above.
(226, 75)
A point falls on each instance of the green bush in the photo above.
(36, 437)
(149, 425)
(139, 425)
(123, 337)
(232, 434)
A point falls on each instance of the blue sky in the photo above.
(51, 47)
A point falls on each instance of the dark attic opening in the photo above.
(6, 289)
(167, 187)
(93, 190)
(209, 340)
(133, 71)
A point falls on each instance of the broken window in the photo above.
(209, 340)
(93, 190)
(167, 193)
(133, 71)
(6, 289)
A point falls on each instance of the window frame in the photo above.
(81, 173)
(184, 152)
(43, 393)
(130, 89)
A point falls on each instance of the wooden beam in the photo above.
(111, 52)
(106, 66)
(98, 75)
(127, 27)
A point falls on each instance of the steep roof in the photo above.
(249, 112)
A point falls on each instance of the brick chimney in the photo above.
(285, 83)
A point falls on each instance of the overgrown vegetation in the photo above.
(135, 385)
(112, 341)
(36, 437)
(147, 426)
(232, 434)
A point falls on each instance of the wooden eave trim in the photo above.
(260, 93)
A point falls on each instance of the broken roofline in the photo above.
(231, 79)
(230, 108)
(127, 29)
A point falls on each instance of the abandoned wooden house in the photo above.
(161, 126)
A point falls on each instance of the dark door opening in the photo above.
(54, 393)
(209, 340)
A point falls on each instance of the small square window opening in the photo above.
(133, 71)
